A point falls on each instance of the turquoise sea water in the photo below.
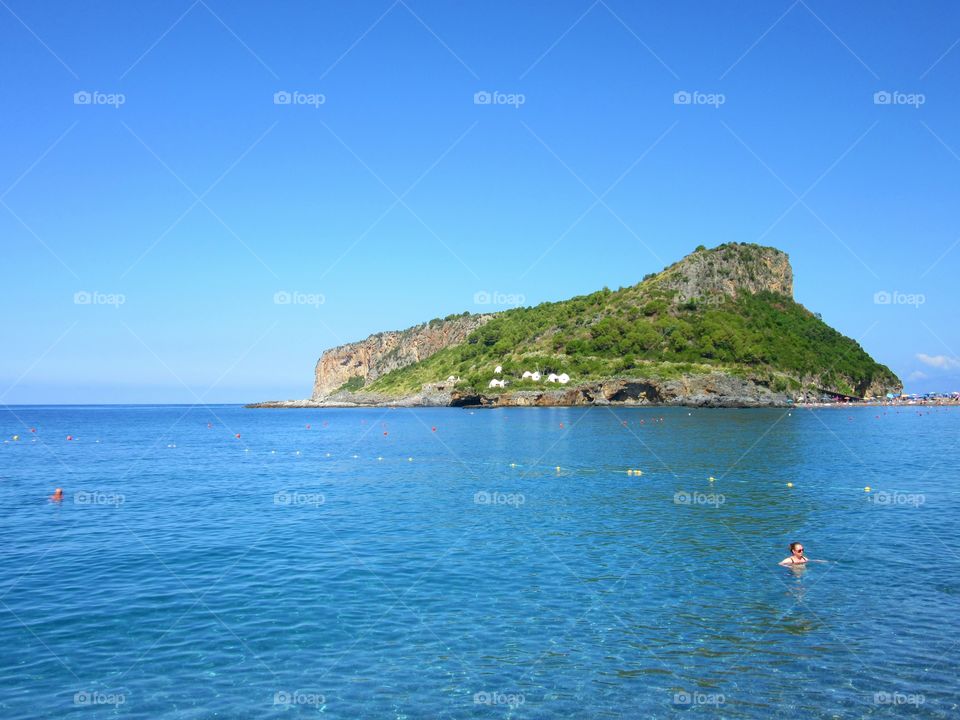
(371, 566)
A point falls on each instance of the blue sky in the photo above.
(147, 232)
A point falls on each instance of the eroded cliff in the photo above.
(384, 352)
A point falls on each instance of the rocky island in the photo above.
(719, 328)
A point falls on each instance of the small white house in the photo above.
(536, 376)
(497, 370)
(552, 377)
(526, 374)
(497, 383)
(451, 379)
(563, 378)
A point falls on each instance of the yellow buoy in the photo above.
(711, 478)
(16, 437)
(558, 468)
(409, 459)
(789, 484)
(638, 472)
(867, 489)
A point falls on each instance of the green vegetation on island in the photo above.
(658, 329)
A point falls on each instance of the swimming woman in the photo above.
(796, 555)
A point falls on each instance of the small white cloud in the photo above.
(917, 375)
(939, 361)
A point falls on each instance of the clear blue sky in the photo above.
(397, 199)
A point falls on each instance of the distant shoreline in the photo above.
(407, 403)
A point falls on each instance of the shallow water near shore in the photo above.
(423, 563)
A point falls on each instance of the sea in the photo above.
(583, 562)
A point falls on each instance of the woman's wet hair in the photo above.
(793, 545)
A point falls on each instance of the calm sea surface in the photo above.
(496, 563)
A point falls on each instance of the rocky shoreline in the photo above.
(710, 390)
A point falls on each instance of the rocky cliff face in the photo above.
(728, 270)
(381, 353)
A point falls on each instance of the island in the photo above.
(719, 328)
